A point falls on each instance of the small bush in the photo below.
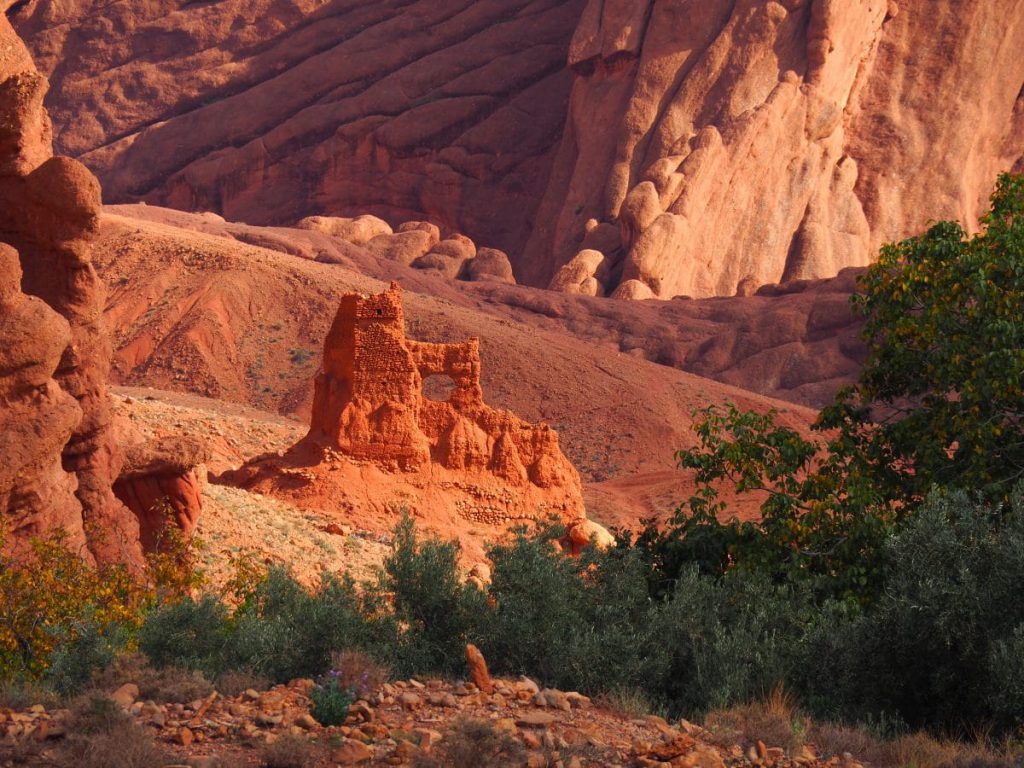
(947, 633)
(628, 703)
(127, 746)
(192, 634)
(331, 702)
(87, 648)
(440, 614)
(358, 672)
(832, 739)
(21, 694)
(473, 743)
(94, 713)
(235, 681)
(51, 601)
(290, 752)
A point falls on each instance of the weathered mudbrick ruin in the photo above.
(447, 460)
(369, 403)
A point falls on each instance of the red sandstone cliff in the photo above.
(705, 148)
(49, 212)
(714, 147)
(267, 111)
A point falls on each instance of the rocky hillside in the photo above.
(698, 151)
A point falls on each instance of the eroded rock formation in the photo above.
(416, 244)
(160, 483)
(714, 147)
(452, 460)
(49, 208)
(37, 417)
(368, 404)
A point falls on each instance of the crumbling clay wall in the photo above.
(369, 402)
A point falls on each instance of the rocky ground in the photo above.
(234, 522)
(407, 720)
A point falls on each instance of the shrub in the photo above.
(88, 647)
(359, 672)
(946, 635)
(50, 599)
(283, 631)
(192, 634)
(730, 640)
(331, 701)
(438, 612)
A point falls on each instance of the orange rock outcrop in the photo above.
(454, 461)
(49, 210)
(160, 483)
(368, 403)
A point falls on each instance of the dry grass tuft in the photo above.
(234, 681)
(628, 703)
(170, 684)
(775, 720)
(472, 743)
(291, 752)
(915, 750)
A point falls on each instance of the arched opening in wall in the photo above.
(438, 387)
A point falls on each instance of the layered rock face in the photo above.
(368, 404)
(717, 146)
(49, 208)
(37, 417)
(269, 111)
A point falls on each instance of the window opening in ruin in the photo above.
(438, 387)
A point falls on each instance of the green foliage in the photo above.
(437, 611)
(822, 517)
(939, 403)
(945, 371)
(730, 640)
(941, 646)
(87, 647)
(280, 630)
(331, 701)
(191, 634)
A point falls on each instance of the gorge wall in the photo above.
(712, 147)
(272, 110)
(691, 148)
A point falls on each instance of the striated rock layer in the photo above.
(714, 147)
(705, 148)
(267, 111)
(49, 212)
(469, 460)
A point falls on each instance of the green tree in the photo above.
(944, 379)
(939, 403)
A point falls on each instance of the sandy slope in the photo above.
(205, 313)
